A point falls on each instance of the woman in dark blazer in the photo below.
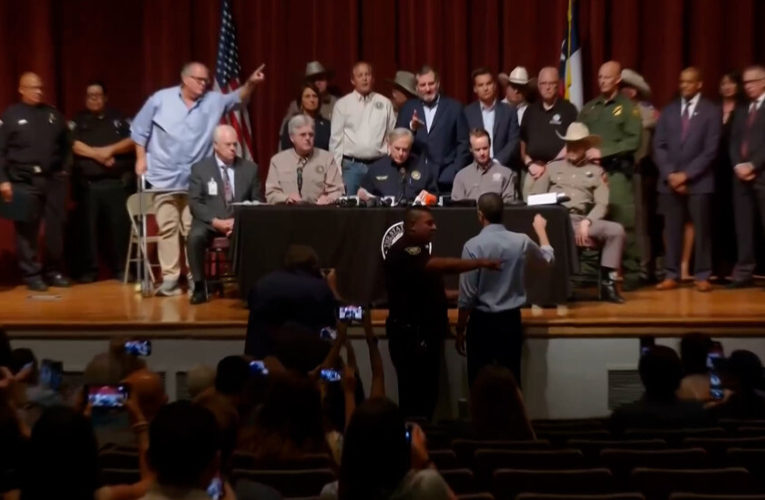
(309, 104)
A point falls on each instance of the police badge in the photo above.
(416, 175)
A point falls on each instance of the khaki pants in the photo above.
(174, 220)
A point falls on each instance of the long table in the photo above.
(351, 239)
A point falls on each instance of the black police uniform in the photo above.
(102, 192)
(405, 181)
(34, 144)
(417, 325)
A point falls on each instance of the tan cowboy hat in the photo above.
(314, 69)
(406, 81)
(577, 132)
(518, 76)
(634, 79)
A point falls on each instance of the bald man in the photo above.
(215, 184)
(147, 389)
(614, 118)
(34, 143)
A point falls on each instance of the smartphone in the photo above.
(329, 375)
(328, 333)
(215, 489)
(138, 347)
(408, 433)
(108, 396)
(350, 313)
(646, 343)
(716, 391)
(258, 368)
(51, 373)
(714, 356)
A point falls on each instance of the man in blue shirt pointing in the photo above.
(172, 131)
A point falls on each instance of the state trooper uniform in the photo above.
(34, 143)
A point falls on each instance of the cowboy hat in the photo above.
(634, 79)
(518, 76)
(577, 132)
(406, 81)
(314, 69)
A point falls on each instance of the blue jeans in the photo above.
(353, 172)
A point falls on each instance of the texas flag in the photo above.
(571, 58)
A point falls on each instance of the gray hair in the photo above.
(299, 121)
(222, 128)
(398, 133)
(186, 69)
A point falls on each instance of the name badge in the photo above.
(212, 188)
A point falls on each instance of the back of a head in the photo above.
(301, 258)
(199, 378)
(184, 442)
(62, 457)
(491, 206)
(746, 369)
(148, 390)
(376, 454)
(660, 371)
(111, 367)
(231, 375)
(694, 348)
(496, 406)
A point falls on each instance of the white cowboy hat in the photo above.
(578, 131)
(315, 68)
(634, 79)
(518, 76)
(406, 81)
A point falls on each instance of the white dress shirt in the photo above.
(360, 126)
(430, 113)
(487, 115)
(757, 103)
(690, 104)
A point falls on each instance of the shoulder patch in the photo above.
(413, 250)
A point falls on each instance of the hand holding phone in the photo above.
(258, 368)
(108, 396)
(329, 375)
(350, 314)
(138, 347)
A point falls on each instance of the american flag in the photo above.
(227, 69)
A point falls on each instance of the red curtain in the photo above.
(138, 47)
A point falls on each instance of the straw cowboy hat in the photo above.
(577, 132)
(634, 79)
(406, 81)
(315, 68)
(518, 76)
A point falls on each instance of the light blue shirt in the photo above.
(430, 112)
(226, 169)
(176, 136)
(496, 291)
(487, 115)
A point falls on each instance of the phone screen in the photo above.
(716, 391)
(350, 313)
(714, 356)
(138, 347)
(108, 396)
(328, 333)
(646, 343)
(258, 368)
(329, 375)
(408, 433)
(215, 489)
(51, 373)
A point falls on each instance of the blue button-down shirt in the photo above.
(495, 291)
(176, 136)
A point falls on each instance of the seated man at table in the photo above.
(399, 174)
(214, 185)
(485, 174)
(583, 183)
(303, 174)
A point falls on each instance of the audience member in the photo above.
(443, 144)
(495, 117)
(303, 173)
(112, 366)
(199, 378)
(404, 88)
(489, 326)
(745, 371)
(384, 458)
(660, 371)
(497, 409)
(148, 391)
(694, 348)
(484, 175)
(361, 122)
(308, 97)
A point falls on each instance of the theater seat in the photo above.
(460, 480)
(608, 496)
(291, 483)
(242, 460)
(465, 448)
(621, 462)
(507, 483)
(658, 484)
(120, 476)
(444, 459)
(591, 447)
(675, 436)
(716, 447)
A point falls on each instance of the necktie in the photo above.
(402, 176)
(228, 193)
(749, 121)
(685, 121)
(301, 165)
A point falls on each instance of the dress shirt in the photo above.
(473, 181)
(757, 103)
(176, 136)
(487, 115)
(226, 170)
(690, 104)
(430, 112)
(360, 126)
(502, 290)
(321, 176)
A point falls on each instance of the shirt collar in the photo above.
(435, 102)
(493, 228)
(544, 105)
(488, 108)
(693, 101)
(221, 163)
(298, 157)
(480, 169)
(362, 98)
(758, 101)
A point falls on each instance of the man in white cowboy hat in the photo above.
(315, 73)
(404, 88)
(583, 183)
(516, 89)
(647, 223)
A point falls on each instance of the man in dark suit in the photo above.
(439, 126)
(684, 149)
(500, 120)
(214, 185)
(747, 155)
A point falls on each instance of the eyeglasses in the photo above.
(754, 80)
(199, 79)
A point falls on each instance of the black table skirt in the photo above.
(350, 240)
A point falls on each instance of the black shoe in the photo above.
(88, 278)
(607, 288)
(58, 280)
(199, 296)
(36, 284)
(736, 284)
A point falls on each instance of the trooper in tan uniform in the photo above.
(303, 174)
(583, 182)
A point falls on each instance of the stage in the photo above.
(98, 309)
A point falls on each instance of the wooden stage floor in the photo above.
(96, 309)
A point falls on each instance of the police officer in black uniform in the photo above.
(417, 319)
(398, 174)
(34, 143)
(103, 177)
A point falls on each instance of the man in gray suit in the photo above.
(684, 149)
(215, 184)
(500, 120)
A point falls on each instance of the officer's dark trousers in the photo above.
(198, 240)
(47, 196)
(417, 358)
(748, 203)
(108, 222)
(494, 338)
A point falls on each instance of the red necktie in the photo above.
(685, 121)
(749, 122)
